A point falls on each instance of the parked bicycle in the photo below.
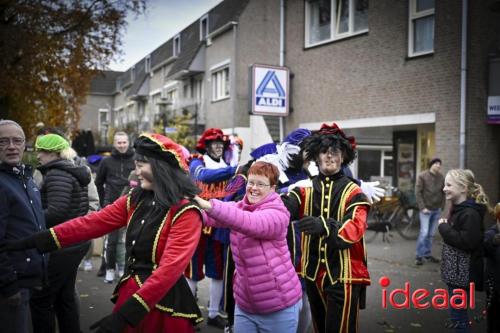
(393, 212)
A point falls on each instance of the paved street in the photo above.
(394, 260)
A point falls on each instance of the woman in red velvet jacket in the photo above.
(163, 229)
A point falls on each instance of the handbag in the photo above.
(455, 266)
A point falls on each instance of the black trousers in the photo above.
(335, 308)
(59, 299)
(229, 303)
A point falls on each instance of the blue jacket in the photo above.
(21, 216)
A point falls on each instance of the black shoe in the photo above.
(432, 259)
(419, 262)
(217, 321)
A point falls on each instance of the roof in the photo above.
(104, 82)
(223, 13)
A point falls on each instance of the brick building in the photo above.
(389, 72)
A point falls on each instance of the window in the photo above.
(220, 84)
(329, 20)
(198, 90)
(119, 117)
(103, 118)
(155, 101)
(374, 163)
(177, 45)
(421, 27)
(204, 27)
(171, 96)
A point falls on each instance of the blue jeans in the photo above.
(428, 227)
(459, 316)
(282, 321)
(14, 319)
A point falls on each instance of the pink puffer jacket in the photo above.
(265, 280)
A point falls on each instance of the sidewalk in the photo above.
(394, 260)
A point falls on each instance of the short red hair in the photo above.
(265, 169)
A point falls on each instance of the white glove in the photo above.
(313, 169)
(235, 156)
(300, 183)
(372, 190)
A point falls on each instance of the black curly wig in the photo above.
(320, 143)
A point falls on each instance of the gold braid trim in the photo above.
(179, 314)
(157, 237)
(297, 196)
(180, 212)
(54, 237)
(143, 303)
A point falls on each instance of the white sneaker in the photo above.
(120, 273)
(110, 276)
(87, 265)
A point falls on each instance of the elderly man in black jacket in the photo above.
(111, 178)
(21, 216)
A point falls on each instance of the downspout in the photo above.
(463, 83)
(282, 58)
(233, 80)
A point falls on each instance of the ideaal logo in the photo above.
(422, 298)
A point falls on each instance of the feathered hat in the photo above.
(162, 148)
(211, 134)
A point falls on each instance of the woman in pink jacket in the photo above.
(266, 288)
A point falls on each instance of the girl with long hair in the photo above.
(462, 233)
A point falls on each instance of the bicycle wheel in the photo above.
(408, 223)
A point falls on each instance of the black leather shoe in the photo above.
(217, 321)
(419, 262)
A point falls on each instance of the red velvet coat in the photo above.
(159, 246)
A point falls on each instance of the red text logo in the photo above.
(403, 298)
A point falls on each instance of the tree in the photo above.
(49, 52)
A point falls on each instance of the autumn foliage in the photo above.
(49, 52)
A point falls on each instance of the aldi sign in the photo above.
(270, 90)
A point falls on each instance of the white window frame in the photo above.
(413, 15)
(383, 149)
(176, 45)
(106, 111)
(203, 19)
(221, 83)
(333, 22)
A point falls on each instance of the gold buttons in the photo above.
(327, 197)
(322, 248)
(325, 210)
(327, 185)
(323, 261)
(327, 179)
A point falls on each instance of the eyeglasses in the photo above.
(260, 186)
(5, 142)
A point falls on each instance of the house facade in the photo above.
(391, 73)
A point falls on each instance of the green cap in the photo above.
(51, 142)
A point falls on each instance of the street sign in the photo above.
(493, 110)
(270, 90)
(170, 130)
